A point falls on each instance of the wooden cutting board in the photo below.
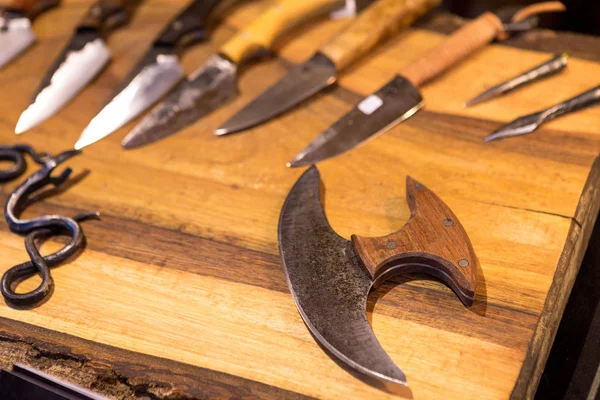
(181, 293)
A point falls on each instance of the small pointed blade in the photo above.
(298, 85)
(16, 36)
(154, 76)
(79, 64)
(207, 89)
(329, 283)
(390, 105)
(486, 95)
(520, 126)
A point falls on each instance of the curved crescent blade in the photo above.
(329, 283)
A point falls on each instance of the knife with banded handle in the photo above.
(16, 34)
(379, 21)
(216, 81)
(400, 98)
(81, 61)
(157, 72)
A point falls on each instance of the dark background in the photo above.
(582, 15)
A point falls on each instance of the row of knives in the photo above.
(188, 99)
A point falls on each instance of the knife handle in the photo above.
(378, 22)
(263, 32)
(458, 46)
(30, 8)
(190, 25)
(433, 241)
(107, 15)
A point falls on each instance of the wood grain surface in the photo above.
(181, 293)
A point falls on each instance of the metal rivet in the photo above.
(463, 263)
(178, 25)
(391, 245)
(448, 222)
(418, 186)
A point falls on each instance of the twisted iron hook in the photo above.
(40, 228)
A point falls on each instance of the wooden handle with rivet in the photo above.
(455, 48)
(433, 241)
(263, 32)
(107, 15)
(379, 21)
(31, 8)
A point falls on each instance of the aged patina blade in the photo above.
(298, 85)
(151, 79)
(78, 65)
(204, 91)
(329, 283)
(390, 105)
(16, 36)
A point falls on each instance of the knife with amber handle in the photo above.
(216, 81)
(378, 22)
(16, 34)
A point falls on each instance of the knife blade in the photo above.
(16, 34)
(80, 62)
(400, 99)
(378, 22)
(216, 81)
(157, 73)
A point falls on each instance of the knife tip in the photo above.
(221, 131)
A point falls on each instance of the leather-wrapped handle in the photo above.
(263, 32)
(189, 26)
(433, 241)
(378, 22)
(107, 15)
(31, 8)
(458, 46)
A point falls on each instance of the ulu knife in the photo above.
(377, 22)
(330, 277)
(157, 73)
(399, 99)
(16, 34)
(216, 81)
(80, 62)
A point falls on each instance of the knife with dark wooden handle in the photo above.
(29, 8)
(16, 34)
(81, 61)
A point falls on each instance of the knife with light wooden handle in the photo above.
(16, 34)
(400, 98)
(216, 81)
(378, 22)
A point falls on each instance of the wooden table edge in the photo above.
(568, 266)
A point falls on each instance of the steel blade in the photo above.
(298, 85)
(520, 126)
(390, 105)
(329, 283)
(154, 76)
(79, 64)
(204, 91)
(16, 36)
